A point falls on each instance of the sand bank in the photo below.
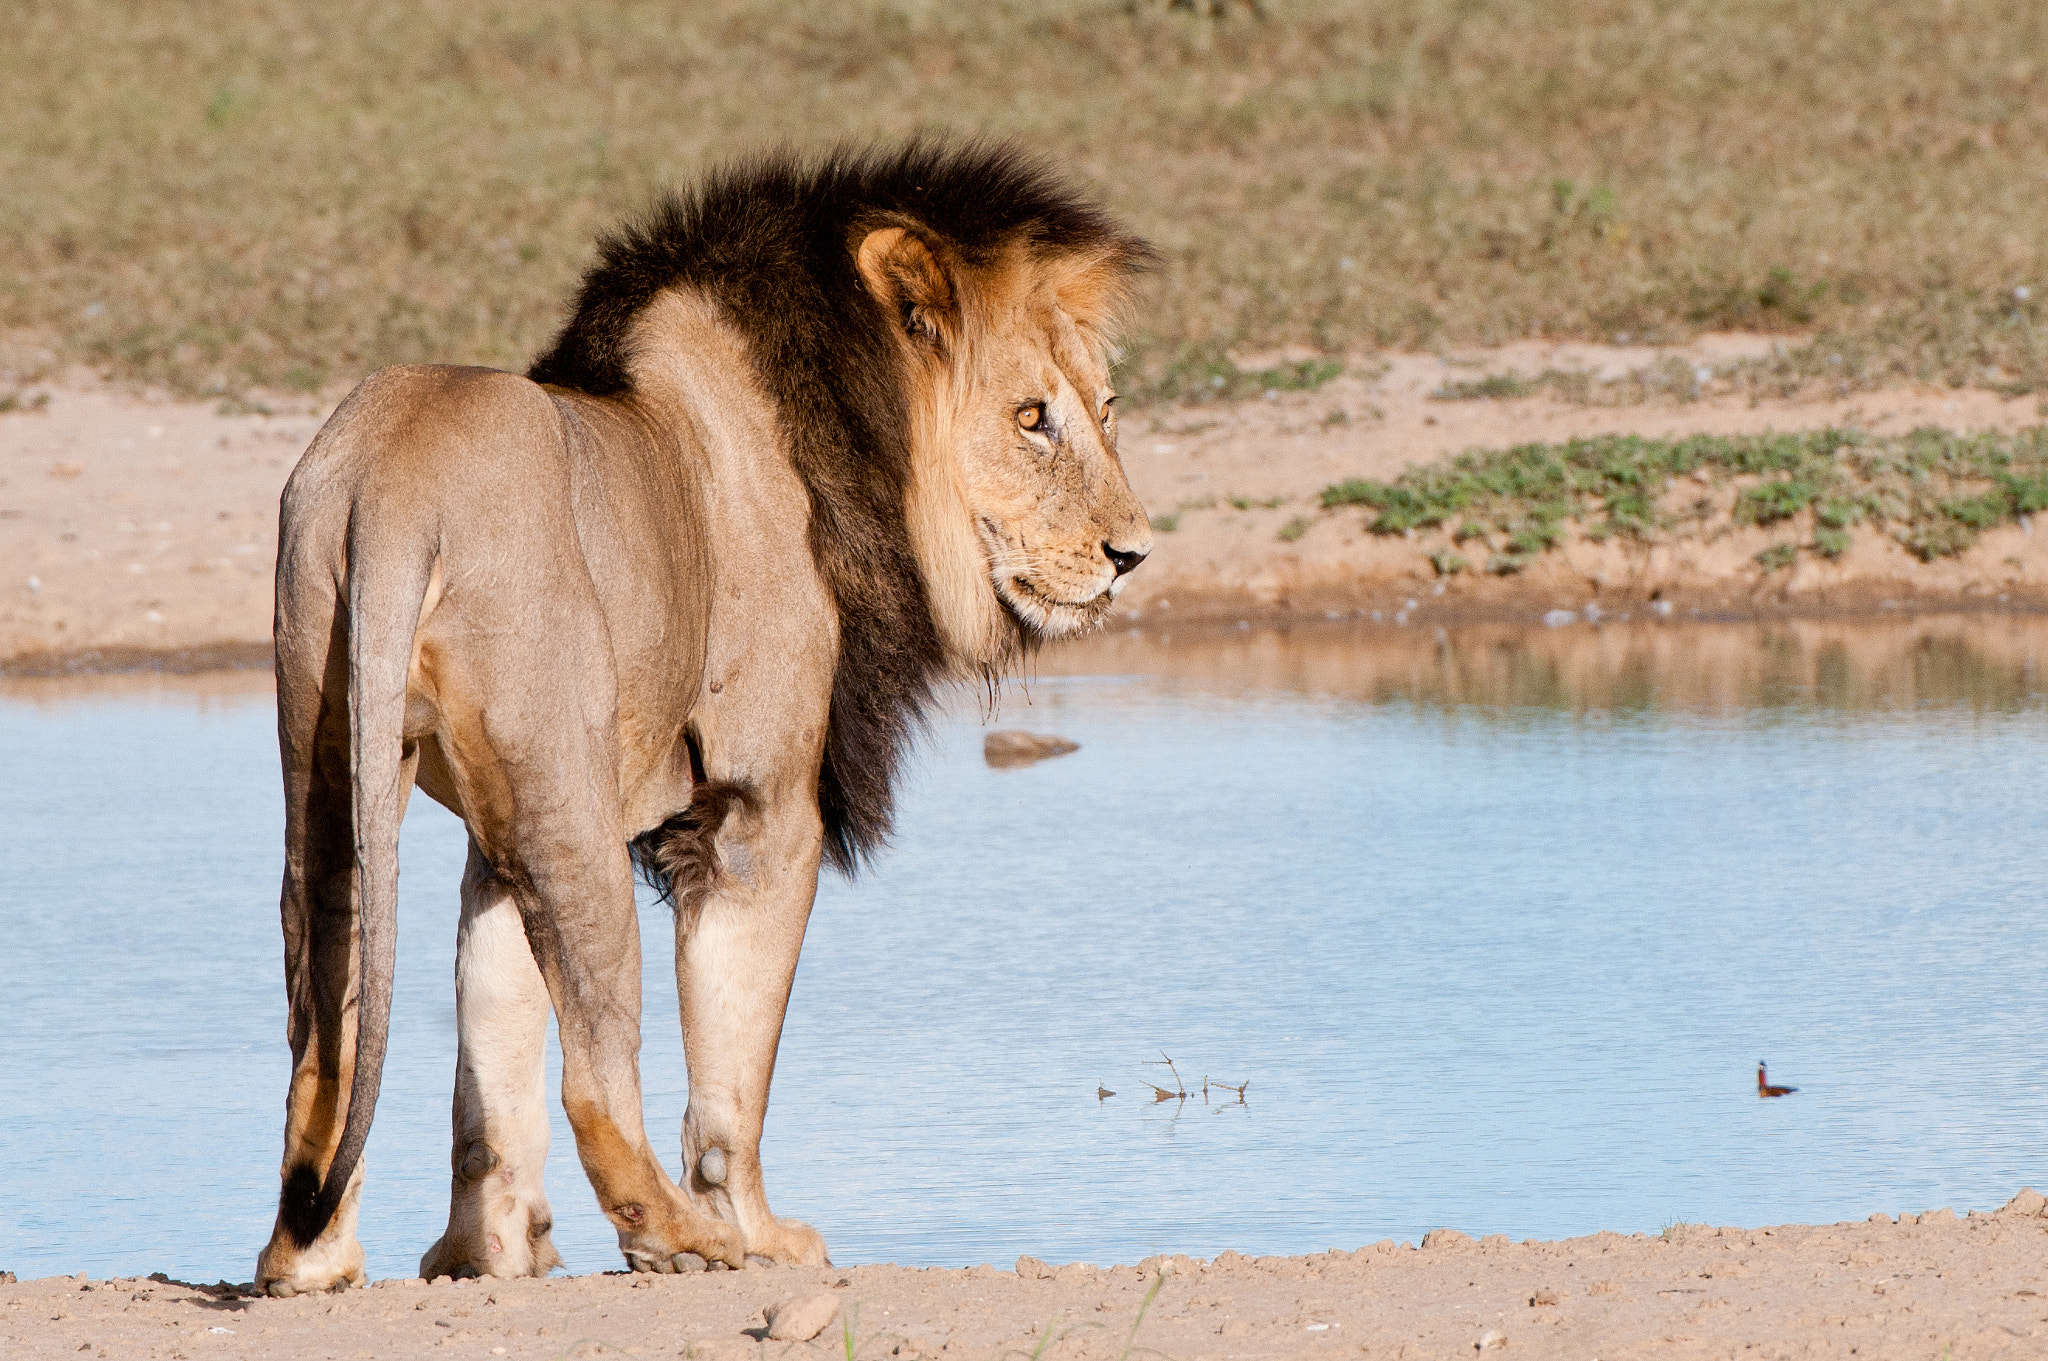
(1930, 1285)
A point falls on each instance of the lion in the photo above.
(819, 436)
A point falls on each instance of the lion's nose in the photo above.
(1123, 562)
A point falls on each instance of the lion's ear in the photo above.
(910, 283)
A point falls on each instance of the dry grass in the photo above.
(214, 196)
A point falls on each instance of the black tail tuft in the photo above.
(299, 1208)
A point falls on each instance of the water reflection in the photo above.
(1987, 663)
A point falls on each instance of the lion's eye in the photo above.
(1031, 417)
(1108, 412)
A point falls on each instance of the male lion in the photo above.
(817, 436)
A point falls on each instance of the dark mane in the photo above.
(771, 240)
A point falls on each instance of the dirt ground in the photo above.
(135, 529)
(1927, 1286)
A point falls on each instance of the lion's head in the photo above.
(1022, 515)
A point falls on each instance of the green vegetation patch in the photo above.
(1932, 490)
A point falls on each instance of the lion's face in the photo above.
(1020, 508)
(1037, 448)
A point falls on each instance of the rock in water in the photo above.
(1014, 748)
(801, 1319)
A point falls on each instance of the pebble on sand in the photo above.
(800, 1319)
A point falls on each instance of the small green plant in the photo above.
(1674, 1230)
(1447, 563)
(1837, 513)
(2028, 494)
(1495, 386)
(1337, 416)
(1305, 376)
(1534, 537)
(1205, 376)
(1979, 512)
(1939, 538)
(1251, 503)
(1830, 543)
(1777, 556)
(1294, 529)
(1353, 491)
(1774, 501)
(1168, 523)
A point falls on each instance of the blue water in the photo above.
(1501, 966)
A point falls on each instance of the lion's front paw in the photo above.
(683, 1240)
(789, 1242)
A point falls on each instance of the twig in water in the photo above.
(1180, 1088)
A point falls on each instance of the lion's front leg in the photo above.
(736, 955)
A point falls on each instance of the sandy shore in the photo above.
(141, 531)
(1929, 1286)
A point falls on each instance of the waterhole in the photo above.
(1494, 925)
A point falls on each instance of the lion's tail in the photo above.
(385, 593)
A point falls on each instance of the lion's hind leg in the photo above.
(498, 1218)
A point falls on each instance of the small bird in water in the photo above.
(1103, 1093)
(1764, 1087)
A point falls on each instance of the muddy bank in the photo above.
(139, 532)
(1924, 1285)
